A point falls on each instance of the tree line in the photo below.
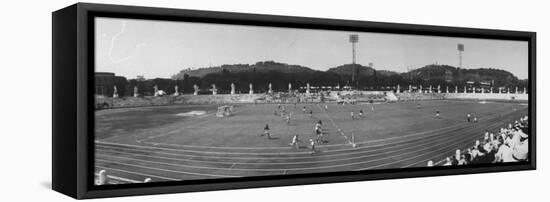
(280, 81)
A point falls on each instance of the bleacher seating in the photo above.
(508, 144)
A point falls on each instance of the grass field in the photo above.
(158, 143)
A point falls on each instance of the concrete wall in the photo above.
(487, 96)
(109, 102)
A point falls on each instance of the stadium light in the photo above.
(460, 48)
(353, 39)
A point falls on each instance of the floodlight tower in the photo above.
(460, 48)
(353, 39)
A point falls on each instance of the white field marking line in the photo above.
(137, 173)
(338, 129)
(393, 162)
(144, 140)
(167, 170)
(292, 153)
(268, 163)
(169, 133)
(279, 163)
(202, 116)
(293, 169)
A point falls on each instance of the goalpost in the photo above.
(224, 111)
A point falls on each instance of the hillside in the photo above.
(347, 70)
(281, 74)
(452, 74)
(259, 67)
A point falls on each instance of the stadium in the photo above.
(188, 137)
(270, 118)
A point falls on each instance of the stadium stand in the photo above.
(407, 96)
(509, 144)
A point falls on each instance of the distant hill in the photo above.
(347, 70)
(259, 67)
(452, 74)
(386, 73)
(280, 74)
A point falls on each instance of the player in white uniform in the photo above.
(312, 146)
(294, 142)
(319, 132)
(287, 118)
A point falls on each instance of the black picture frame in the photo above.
(73, 120)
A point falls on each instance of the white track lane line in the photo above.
(358, 151)
(470, 139)
(280, 163)
(429, 152)
(126, 180)
(285, 169)
(166, 170)
(294, 169)
(442, 160)
(137, 173)
(282, 153)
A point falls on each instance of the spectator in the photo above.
(462, 160)
(521, 149)
(448, 162)
(430, 163)
(504, 154)
(509, 144)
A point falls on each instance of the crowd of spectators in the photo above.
(508, 144)
(416, 96)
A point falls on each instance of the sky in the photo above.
(160, 49)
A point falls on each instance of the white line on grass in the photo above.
(338, 129)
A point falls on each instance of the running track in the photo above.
(135, 162)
